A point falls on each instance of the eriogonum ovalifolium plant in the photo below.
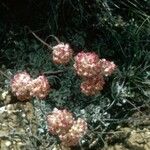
(88, 66)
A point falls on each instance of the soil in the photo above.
(18, 129)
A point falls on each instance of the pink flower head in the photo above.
(92, 86)
(39, 87)
(19, 85)
(77, 131)
(62, 53)
(59, 121)
(107, 67)
(87, 64)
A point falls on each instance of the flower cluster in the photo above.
(92, 69)
(19, 85)
(92, 86)
(107, 67)
(60, 121)
(62, 53)
(24, 87)
(87, 64)
(75, 133)
(63, 124)
(39, 87)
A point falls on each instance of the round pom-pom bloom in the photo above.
(77, 131)
(39, 87)
(92, 86)
(60, 121)
(107, 67)
(87, 64)
(62, 53)
(20, 86)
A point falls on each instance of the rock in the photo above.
(118, 136)
(139, 140)
(116, 147)
(119, 147)
(6, 97)
(17, 126)
(129, 139)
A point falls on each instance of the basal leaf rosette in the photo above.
(87, 64)
(62, 53)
